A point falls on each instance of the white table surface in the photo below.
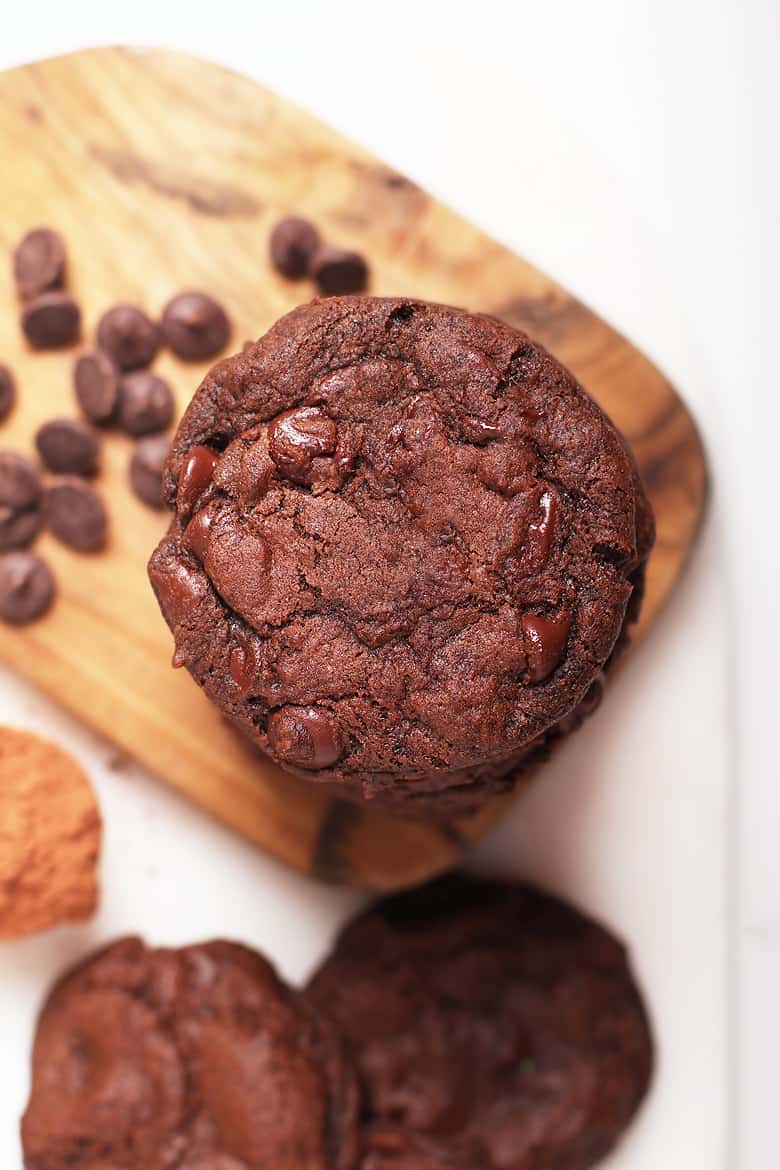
(630, 150)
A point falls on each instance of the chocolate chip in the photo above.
(75, 514)
(338, 271)
(541, 531)
(242, 665)
(96, 382)
(544, 640)
(145, 403)
(196, 476)
(178, 588)
(51, 321)
(27, 587)
(68, 445)
(198, 533)
(128, 336)
(7, 392)
(293, 242)
(307, 737)
(146, 469)
(299, 436)
(39, 262)
(20, 498)
(195, 326)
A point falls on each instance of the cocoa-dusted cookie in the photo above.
(199, 1059)
(494, 1028)
(404, 545)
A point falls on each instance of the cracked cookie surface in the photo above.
(403, 548)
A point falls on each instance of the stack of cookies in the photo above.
(406, 545)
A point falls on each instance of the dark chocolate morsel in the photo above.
(146, 403)
(39, 262)
(306, 737)
(179, 590)
(292, 243)
(298, 437)
(128, 336)
(195, 326)
(196, 477)
(146, 469)
(7, 392)
(242, 665)
(338, 271)
(68, 445)
(27, 587)
(544, 640)
(20, 500)
(51, 321)
(197, 533)
(76, 514)
(96, 382)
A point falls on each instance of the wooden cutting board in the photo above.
(164, 173)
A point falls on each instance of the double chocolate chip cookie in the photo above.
(405, 544)
(199, 1059)
(493, 1026)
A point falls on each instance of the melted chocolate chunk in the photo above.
(298, 437)
(196, 477)
(306, 737)
(544, 640)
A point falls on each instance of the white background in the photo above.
(629, 147)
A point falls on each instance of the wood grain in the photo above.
(163, 173)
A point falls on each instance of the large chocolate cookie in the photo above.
(404, 545)
(198, 1059)
(494, 1027)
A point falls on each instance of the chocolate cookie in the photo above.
(198, 1058)
(404, 546)
(494, 1028)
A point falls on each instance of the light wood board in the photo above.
(164, 173)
